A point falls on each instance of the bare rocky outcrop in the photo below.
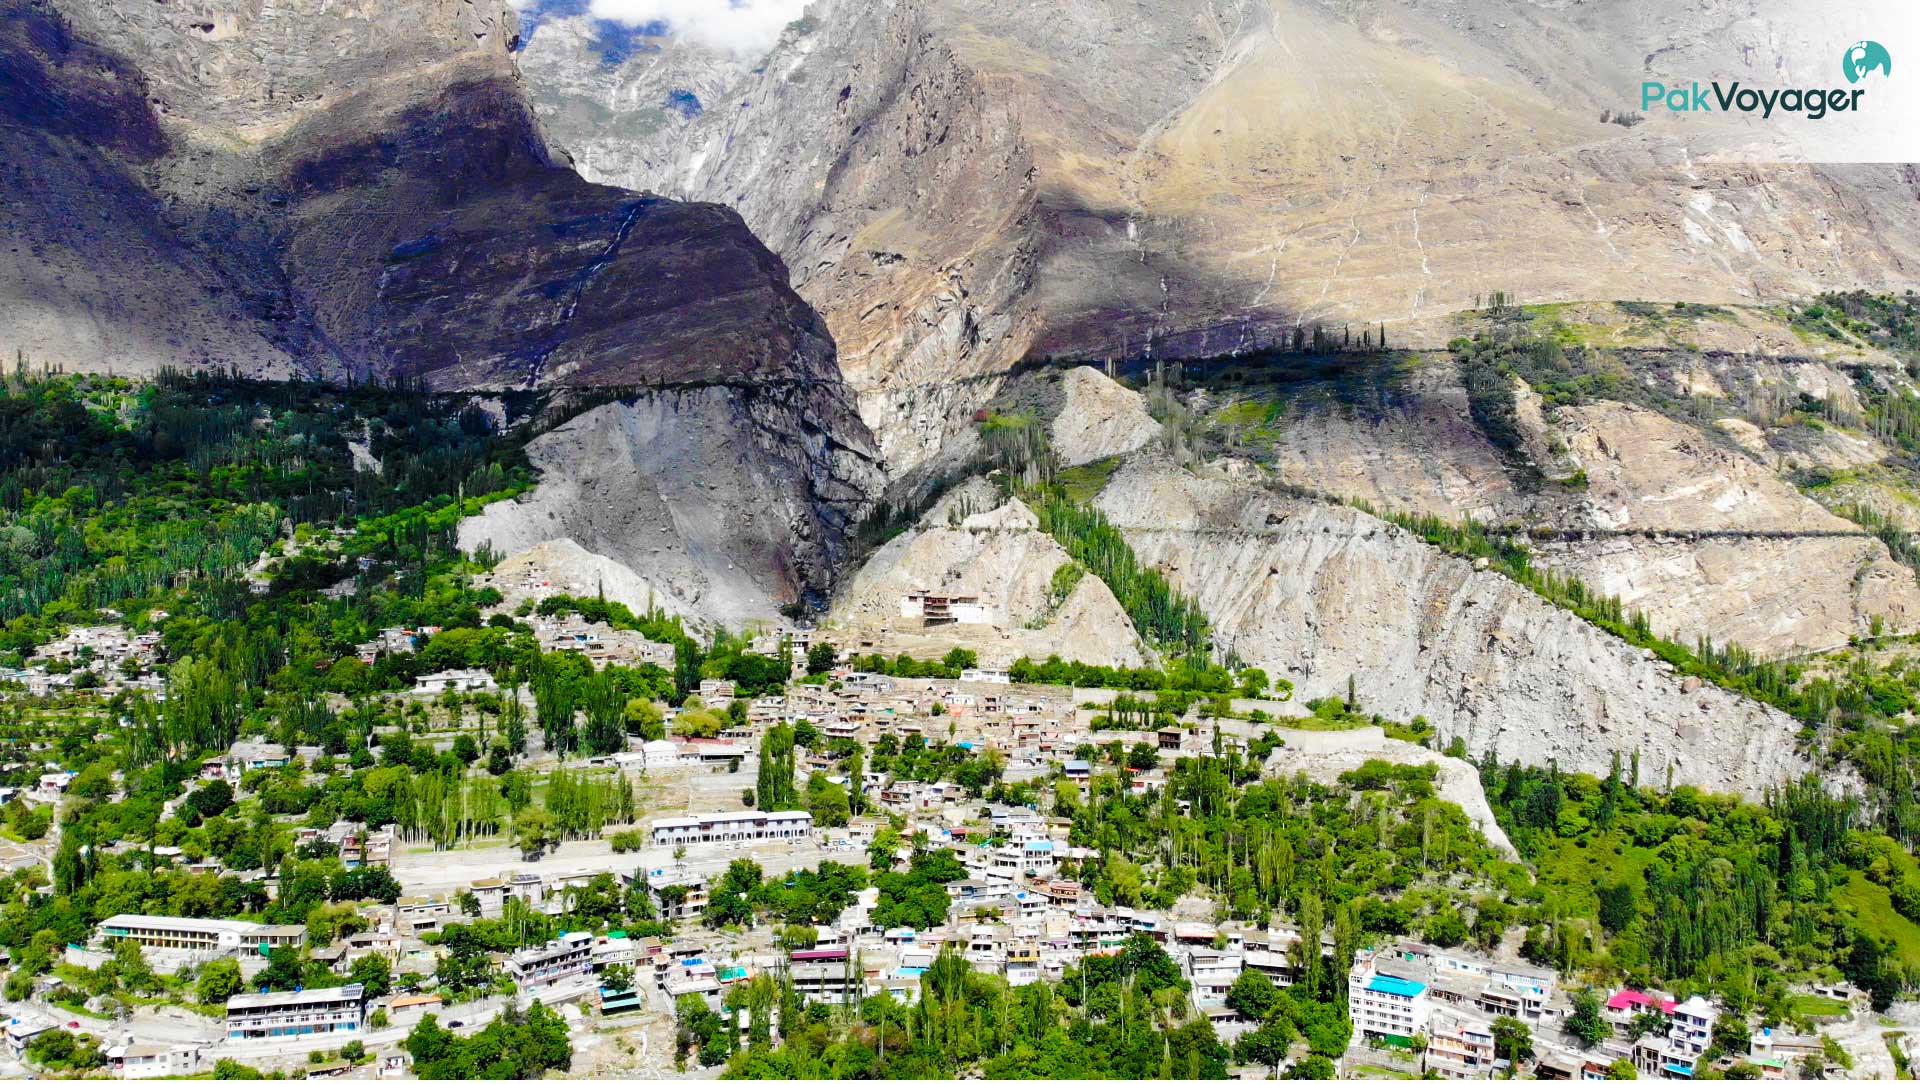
(1319, 594)
(1697, 523)
(738, 502)
(1098, 419)
(563, 565)
(1403, 441)
(1789, 576)
(971, 543)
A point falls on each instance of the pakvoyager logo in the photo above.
(1861, 59)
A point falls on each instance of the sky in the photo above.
(740, 26)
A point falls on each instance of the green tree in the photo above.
(883, 851)
(373, 972)
(1253, 995)
(1512, 1040)
(219, 980)
(1586, 1022)
(644, 719)
(1445, 927)
(617, 978)
(1313, 1067)
(535, 830)
(774, 790)
(820, 658)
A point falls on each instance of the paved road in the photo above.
(146, 1026)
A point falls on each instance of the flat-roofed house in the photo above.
(325, 1011)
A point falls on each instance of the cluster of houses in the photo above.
(399, 640)
(1442, 1002)
(1032, 728)
(102, 659)
(602, 645)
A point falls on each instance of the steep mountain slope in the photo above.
(959, 185)
(371, 180)
(1320, 594)
(360, 189)
(1652, 462)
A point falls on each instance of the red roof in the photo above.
(1634, 999)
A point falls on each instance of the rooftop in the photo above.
(1393, 984)
(353, 992)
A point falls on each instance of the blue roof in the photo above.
(1078, 766)
(1389, 984)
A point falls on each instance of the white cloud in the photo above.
(740, 26)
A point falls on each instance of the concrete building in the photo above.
(1507, 989)
(245, 756)
(567, 956)
(1678, 1053)
(745, 825)
(208, 937)
(1459, 1046)
(1385, 1006)
(659, 755)
(23, 1029)
(459, 681)
(148, 1061)
(328, 1011)
(1212, 974)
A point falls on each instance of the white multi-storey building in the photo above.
(567, 956)
(1383, 1005)
(328, 1011)
(206, 937)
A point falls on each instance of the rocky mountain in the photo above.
(976, 542)
(957, 186)
(622, 94)
(1680, 491)
(731, 502)
(361, 190)
(1320, 594)
(1323, 595)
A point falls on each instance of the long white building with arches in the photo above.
(745, 825)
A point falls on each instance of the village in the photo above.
(1415, 1007)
